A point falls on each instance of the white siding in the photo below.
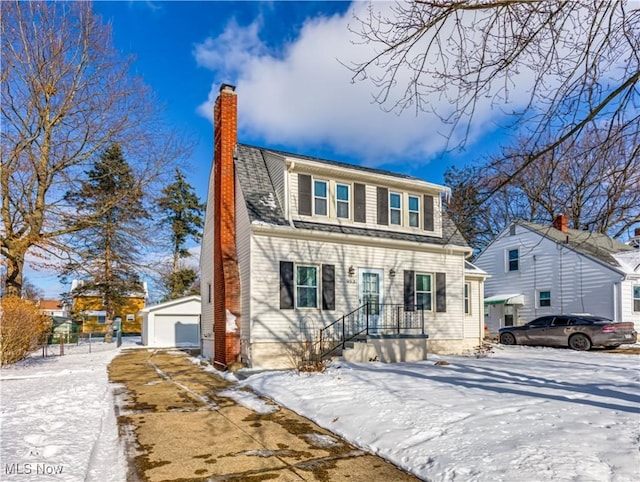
(269, 323)
(627, 313)
(243, 249)
(276, 168)
(474, 322)
(577, 283)
(206, 275)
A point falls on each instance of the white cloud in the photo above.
(303, 96)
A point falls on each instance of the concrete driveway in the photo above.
(177, 425)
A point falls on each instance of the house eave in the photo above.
(354, 239)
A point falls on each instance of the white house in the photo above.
(174, 323)
(298, 250)
(537, 270)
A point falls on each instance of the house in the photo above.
(299, 251)
(174, 323)
(88, 307)
(537, 270)
(53, 308)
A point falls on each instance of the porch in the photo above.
(376, 332)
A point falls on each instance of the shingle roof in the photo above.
(263, 205)
(595, 245)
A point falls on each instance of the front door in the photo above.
(370, 291)
(509, 315)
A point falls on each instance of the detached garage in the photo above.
(175, 323)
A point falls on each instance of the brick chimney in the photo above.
(226, 278)
(560, 223)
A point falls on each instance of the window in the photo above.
(320, 192)
(414, 211)
(130, 317)
(513, 258)
(636, 298)
(102, 319)
(423, 291)
(342, 201)
(512, 230)
(467, 299)
(306, 287)
(544, 299)
(395, 208)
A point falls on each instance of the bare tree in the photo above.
(579, 63)
(66, 95)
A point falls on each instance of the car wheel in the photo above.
(580, 342)
(507, 339)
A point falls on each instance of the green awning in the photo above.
(511, 299)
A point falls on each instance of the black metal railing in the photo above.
(371, 319)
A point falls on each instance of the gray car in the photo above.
(580, 332)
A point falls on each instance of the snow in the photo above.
(522, 414)
(57, 418)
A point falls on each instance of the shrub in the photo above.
(22, 328)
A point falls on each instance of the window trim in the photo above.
(326, 198)
(467, 298)
(509, 260)
(296, 286)
(347, 201)
(416, 291)
(636, 300)
(411, 211)
(398, 209)
(539, 299)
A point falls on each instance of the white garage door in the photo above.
(176, 330)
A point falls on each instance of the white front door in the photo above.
(370, 291)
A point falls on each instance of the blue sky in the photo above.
(293, 92)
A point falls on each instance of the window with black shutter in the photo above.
(304, 194)
(441, 292)
(409, 290)
(328, 287)
(428, 213)
(383, 205)
(360, 203)
(286, 285)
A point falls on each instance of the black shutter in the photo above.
(428, 212)
(383, 205)
(328, 287)
(286, 285)
(304, 194)
(441, 292)
(360, 203)
(409, 290)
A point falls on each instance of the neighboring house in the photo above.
(537, 270)
(174, 323)
(53, 308)
(89, 308)
(293, 244)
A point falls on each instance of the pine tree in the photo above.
(183, 214)
(109, 249)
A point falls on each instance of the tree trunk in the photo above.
(15, 267)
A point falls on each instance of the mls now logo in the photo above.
(29, 468)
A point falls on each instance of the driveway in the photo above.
(180, 422)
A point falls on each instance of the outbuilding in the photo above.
(174, 323)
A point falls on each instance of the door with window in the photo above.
(370, 292)
(509, 315)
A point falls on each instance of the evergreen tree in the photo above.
(109, 249)
(183, 214)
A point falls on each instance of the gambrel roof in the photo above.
(264, 207)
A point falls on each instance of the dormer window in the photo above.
(395, 208)
(414, 211)
(342, 201)
(320, 198)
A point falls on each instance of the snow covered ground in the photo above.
(523, 414)
(57, 419)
